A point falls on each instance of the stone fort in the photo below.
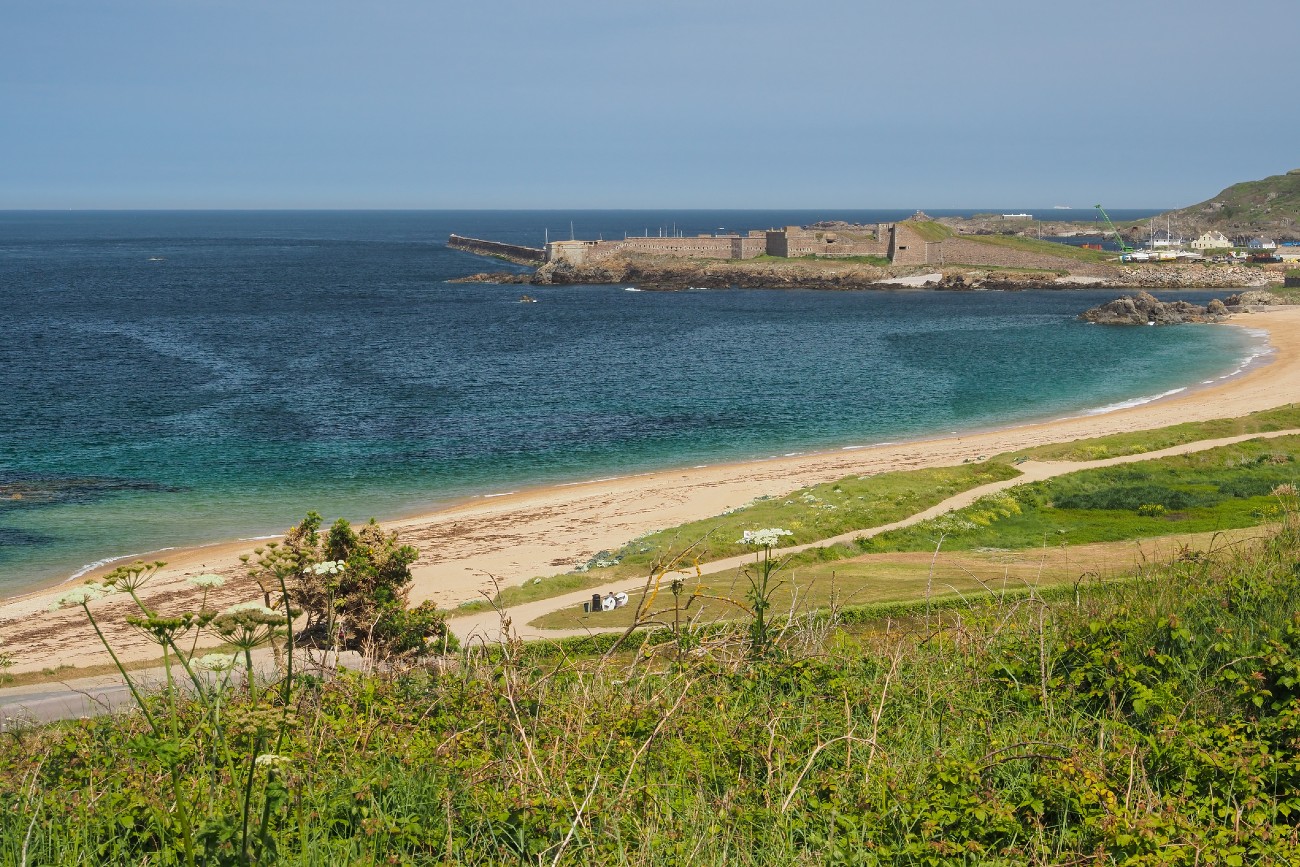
(789, 242)
(901, 243)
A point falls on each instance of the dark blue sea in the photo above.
(177, 378)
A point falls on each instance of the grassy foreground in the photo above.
(1150, 721)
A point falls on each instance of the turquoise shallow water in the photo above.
(171, 379)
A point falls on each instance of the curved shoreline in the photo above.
(468, 548)
(426, 511)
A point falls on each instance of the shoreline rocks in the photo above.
(1145, 309)
(665, 273)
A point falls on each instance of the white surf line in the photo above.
(487, 627)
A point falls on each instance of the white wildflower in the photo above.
(206, 582)
(256, 607)
(88, 592)
(270, 760)
(329, 567)
(217, 662)
(769, 538)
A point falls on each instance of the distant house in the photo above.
(1261, 244)
(1211, 241)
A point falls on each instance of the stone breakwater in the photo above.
(669, 274)
(510, 252)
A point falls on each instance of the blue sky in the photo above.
(672, 104)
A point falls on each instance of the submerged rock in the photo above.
(1146, 309)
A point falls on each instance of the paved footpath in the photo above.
(88, 696)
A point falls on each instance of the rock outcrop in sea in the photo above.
(1146, 309)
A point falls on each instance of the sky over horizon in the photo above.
(671, 104)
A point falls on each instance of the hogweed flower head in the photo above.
(329, 567)
(217, 662)
(270, 760)
(88, 592)
(769, 538)
(253, 608)
(249, 624)
(131, 578)
(206, 582)
(164, 630)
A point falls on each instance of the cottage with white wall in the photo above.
(1211, 241)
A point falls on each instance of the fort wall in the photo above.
(793, 241)
(907, 246)
(961, 251)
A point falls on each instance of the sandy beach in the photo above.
(468, 549)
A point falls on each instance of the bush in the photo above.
(1131, 498)
(352, 587)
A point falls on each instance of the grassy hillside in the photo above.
(1146, 721)
(1269, 205)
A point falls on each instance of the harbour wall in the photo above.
(509, 252)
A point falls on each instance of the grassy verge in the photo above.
(865, 502)
(1145, 721)
(1219, 489)
(1141, 442)
(1037, 534)
(812, 514)
(898, 579)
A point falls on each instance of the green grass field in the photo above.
(811, 514)
(1046, 248)
(1139, 442)
(1082, 519)
(862, 502)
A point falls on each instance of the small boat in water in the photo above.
(630, 289)
(527, 299)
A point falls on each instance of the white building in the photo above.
(1212, 241)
